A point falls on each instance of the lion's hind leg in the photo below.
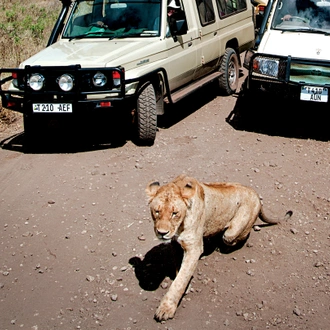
(239, 227)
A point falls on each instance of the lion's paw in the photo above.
(165, 311)
(230, 241)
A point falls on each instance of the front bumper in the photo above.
(84, 96)
(280, 89)
(289, 77)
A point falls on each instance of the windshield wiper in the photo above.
(120, 33)
(310, 30)
(80, 36)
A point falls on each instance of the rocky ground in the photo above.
(77, 244)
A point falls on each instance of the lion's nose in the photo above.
(162, 233)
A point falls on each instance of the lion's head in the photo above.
(169, 205)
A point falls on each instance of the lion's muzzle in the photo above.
(163, 234)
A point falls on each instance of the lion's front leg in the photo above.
(170, 301)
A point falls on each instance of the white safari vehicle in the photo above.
(119, 55)
(291, 57)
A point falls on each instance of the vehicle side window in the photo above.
(205, 11)
(230, 7)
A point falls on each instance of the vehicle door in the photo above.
(208, 50)
(181, 49)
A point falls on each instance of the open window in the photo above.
(177, 21)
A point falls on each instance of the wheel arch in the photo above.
(159, 79)
(155, 77)
(233, 43)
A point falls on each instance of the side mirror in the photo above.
(181, 27)
(178, 27)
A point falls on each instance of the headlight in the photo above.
(66, 82)
(36, 81)
(99, 79)
(267, 67)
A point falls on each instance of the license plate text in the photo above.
(52, 107)
(314, 94)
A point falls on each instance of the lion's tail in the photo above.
(274, 221)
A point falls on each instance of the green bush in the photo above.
(24, 30)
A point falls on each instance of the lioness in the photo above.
(189, 210)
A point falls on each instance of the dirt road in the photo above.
(75, 222)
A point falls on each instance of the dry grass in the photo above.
(25, 27)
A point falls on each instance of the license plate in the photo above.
(52, 107)
(314, 94)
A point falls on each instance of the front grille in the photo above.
(310, 73)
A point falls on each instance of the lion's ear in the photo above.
(152, 188)
(188, 190)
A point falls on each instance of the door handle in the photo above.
(189, 43)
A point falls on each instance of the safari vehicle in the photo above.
(291, 57)
(123, 55)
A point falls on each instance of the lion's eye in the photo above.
(174, 214)
(157, 213)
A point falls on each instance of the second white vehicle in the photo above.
(291, 58)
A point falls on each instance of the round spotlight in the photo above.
(99, 79)
(36, 81)
(66, 82)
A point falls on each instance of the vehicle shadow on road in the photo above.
(18, 143)
(69, 139)
(174, 113)
(280, 117)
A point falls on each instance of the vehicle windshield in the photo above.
(114, 19)
(302, 15)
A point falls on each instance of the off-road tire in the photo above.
(146, 115)
(229, 67)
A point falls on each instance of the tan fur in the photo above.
(189, 210)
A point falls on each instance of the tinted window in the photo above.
(205, 11)
(230, 7)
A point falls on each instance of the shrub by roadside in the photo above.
(24, 30)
